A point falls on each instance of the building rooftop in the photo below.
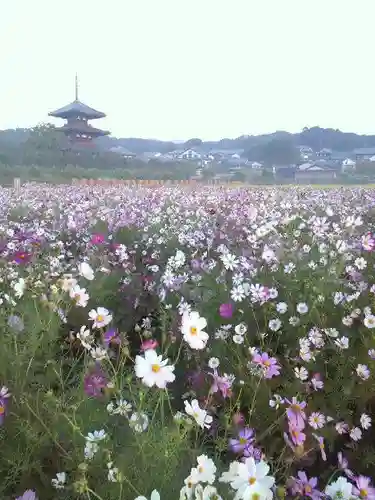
(364, 151)
(82, 128)
(77, 108)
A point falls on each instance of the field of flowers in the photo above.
(177, 343)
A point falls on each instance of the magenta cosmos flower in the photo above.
(111, 336)
(226, 310)
(97, 239)
(270, 366)
(94, 382)
(22, 257)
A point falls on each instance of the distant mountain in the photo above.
(315, 137)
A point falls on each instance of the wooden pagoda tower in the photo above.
(77, 114)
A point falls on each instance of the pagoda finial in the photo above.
(76, 87)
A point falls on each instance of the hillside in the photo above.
(317, 138)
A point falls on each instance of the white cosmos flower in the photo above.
(80, 295)
(98, 353)
(192, 329)
(208, 493)
(369, 321)
(101, 317)
(59, 481)
(340, 489)
(199, 414)
(231, 474)
(68, 282)
(19, 288)
(85, 337)
(153, 370)
(252, 479)
(139, 421)
(229, 261)
(365, 421)
(96, 436)
(301, 373)
(204, 472)
(86, 271)
(154, 496)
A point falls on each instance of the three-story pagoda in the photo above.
(77, 114)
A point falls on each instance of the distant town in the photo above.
(324, 164)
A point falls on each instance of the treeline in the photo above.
(43, 153)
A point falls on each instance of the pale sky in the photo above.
(176, 69)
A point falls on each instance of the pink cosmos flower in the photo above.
(149, 344)
(363, 488)
(295, 413)
(297, 436)
(304, 487)
(368, 242)
(320, 440)
(344, 464)
(221, 384)
(28, 495)
(270, 366)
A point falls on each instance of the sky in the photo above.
(177, 69)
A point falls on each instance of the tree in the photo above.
(276, 151)
(192, 143)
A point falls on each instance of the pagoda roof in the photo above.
(77, 108)
(82, 128)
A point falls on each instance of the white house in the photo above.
(190, 154)
(348, 164)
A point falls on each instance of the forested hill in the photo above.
(317, 138)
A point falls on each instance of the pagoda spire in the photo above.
(76, 87)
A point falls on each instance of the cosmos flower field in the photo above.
(177, 343)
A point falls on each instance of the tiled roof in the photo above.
(77, 108)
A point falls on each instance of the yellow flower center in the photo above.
(295, 408)
(2, 410)
(255, 496)
(242, 440)
(155, 368)
(252, 480)
(193, 330)
(77, 296)
(308, 488)
(363, 493)
(99, 318)
(200, 469)
(267, 363)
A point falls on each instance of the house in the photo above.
(190, 155)
(348, 164)
(311, 173)
(324, 153)
(226, 154)
(255, 165)
(125, 153)
(362, 154)
(306, 152)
